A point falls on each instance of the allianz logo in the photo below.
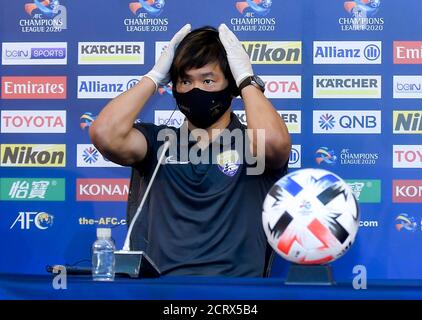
(99, 86)
(370, 52)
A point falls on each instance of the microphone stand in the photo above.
(136, 263)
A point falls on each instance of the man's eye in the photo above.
(185, 82)
(208, 81)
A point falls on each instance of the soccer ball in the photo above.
(310, 216)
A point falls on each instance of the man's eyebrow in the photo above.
(207, 74)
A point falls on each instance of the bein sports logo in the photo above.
(260, 7)
(327, 121)
(406, 222)
(152, 7)
(325, 155)
(87, 119)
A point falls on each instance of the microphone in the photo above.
(136, 263)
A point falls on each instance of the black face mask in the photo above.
(203, 108)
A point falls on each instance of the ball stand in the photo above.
(300, 274)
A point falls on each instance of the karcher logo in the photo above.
(274, 52)
(407, 122)
(354, 87)
(33, 155)
(111, 52)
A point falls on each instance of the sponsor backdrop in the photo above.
(346, 76)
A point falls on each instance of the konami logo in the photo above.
(33, 87)
(407, 191)
(102, 189)
(33, 121)
(407, 52)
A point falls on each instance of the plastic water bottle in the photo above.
(103, 261)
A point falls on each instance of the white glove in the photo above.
(239, 62)
(159, 74)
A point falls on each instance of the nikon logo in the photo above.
(33, 155)
(409, 122)
(274, 52)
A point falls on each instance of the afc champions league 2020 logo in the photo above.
(146, 16)
(46, 16)
(260, 7)
(363, 13)
(255, 16)
(152, 7)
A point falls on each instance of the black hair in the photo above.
(200, 47)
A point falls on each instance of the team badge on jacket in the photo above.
(228, 162)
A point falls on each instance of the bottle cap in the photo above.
(103, 233)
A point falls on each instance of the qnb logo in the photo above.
(90, 155)
(405, 222)
(353, 121)
(407, 191)
(327, 121)
(152, 7)
(275, 52)
(86, 120)
(295, 156)
(260, 7)
(27, 220)
(325, 155)
(409, 122)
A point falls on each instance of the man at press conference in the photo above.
(200, 218)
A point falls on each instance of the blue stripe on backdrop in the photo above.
(27, 246)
